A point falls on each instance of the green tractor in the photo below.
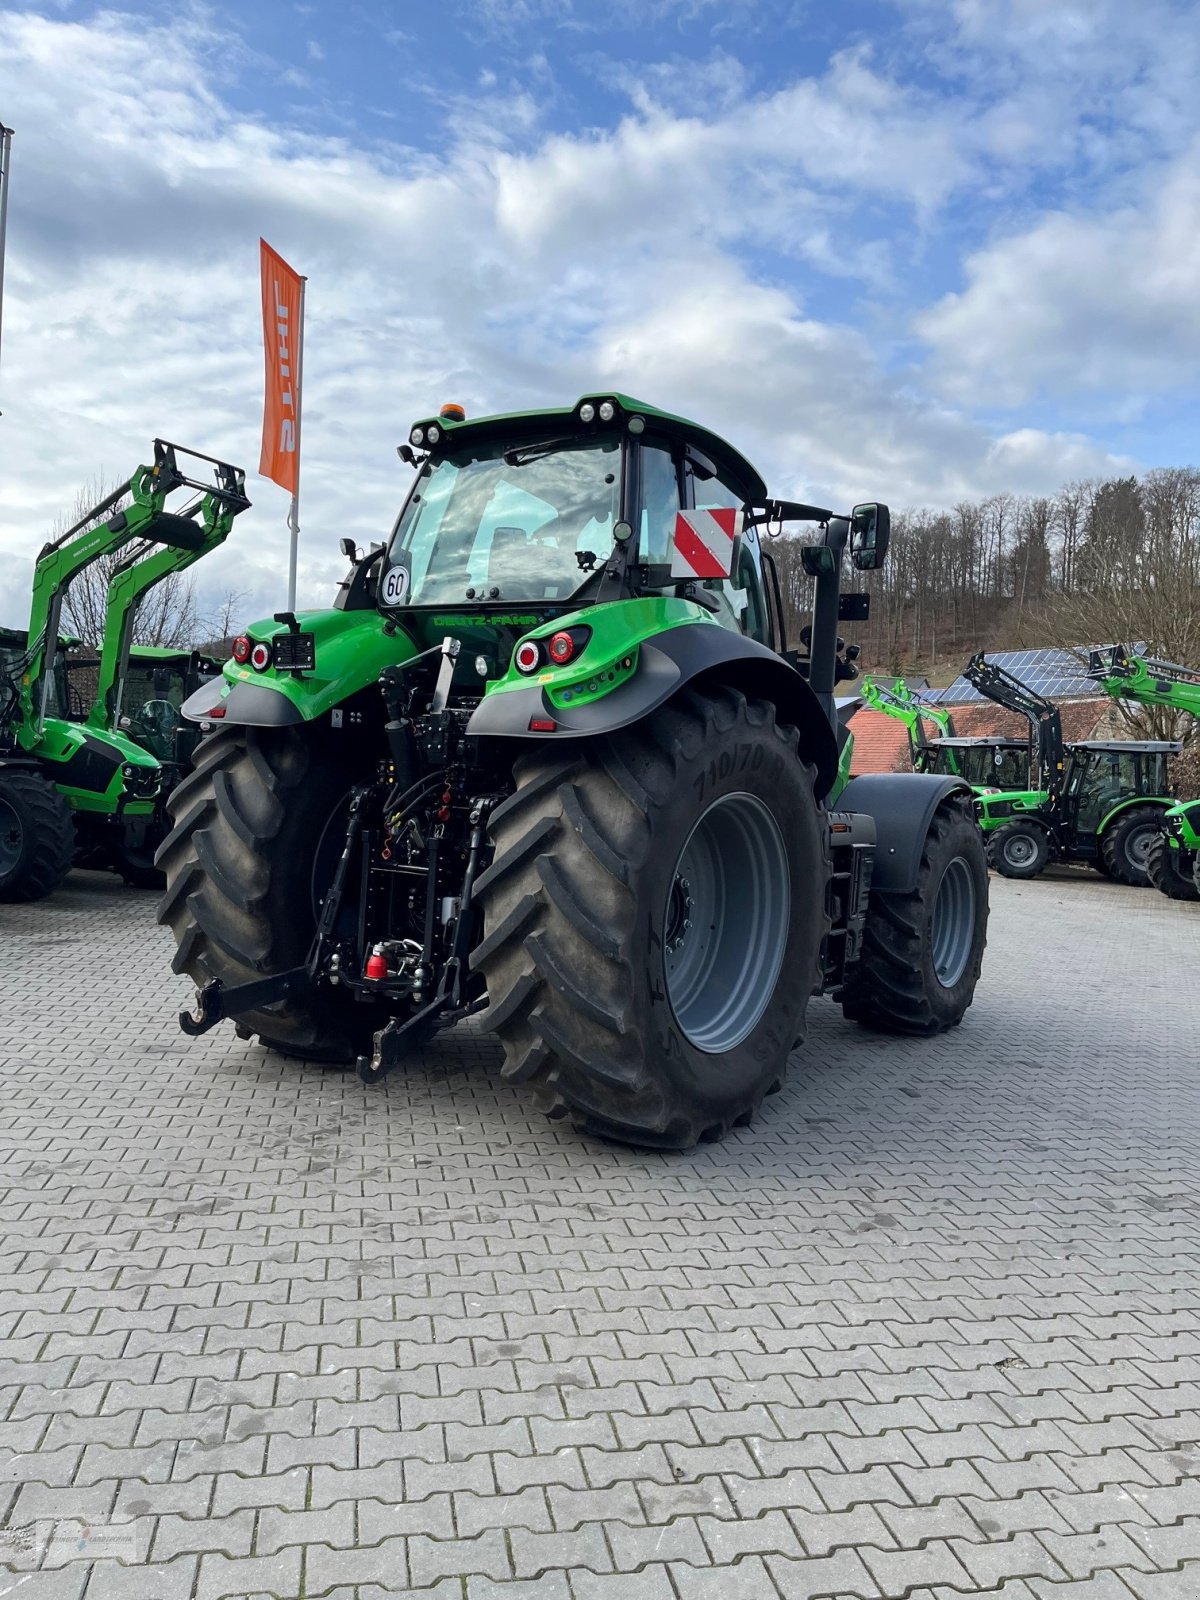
(143, 700)
(1173, 860)
(1097, 801)
(156, 681)
(550, 758)
(84, 791)
(989, 764)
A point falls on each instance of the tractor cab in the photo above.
(988, 765)
(1105, 776)
(156, 682)
(516, 520)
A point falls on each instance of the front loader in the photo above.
(898, 701)
(71, 790)
(140, 688)
(1096, 801)
(1173, 859)
(550, 758)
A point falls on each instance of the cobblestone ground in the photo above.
(928, 1329)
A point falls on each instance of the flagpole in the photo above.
(294, 509)
(5, 161)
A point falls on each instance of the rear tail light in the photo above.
(260, 656)
(527, 656)
(241, 649)
(562, 648)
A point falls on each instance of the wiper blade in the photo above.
(518, 458)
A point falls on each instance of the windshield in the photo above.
(532, 527)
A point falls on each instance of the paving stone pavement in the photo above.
(928, 1329)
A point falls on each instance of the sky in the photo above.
(901, 250)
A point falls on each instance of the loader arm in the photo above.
(998, 684)
(145, 568)
(1124, 675)
(900, 702)
(145, 518)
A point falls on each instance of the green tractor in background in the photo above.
(1173, 859)
(84, 791)
(1096, 801)
(987, 763)
(550, 758)
(153, 687)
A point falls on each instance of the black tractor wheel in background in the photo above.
(922, 952)
(1126, 844)
(1018, 849)
(653, 918)
(246, 862)
(135, 863)
(37, 836)
(1172, 872)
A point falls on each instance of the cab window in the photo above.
(660, 503)
(742, 594)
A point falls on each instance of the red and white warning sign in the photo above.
(705, 543)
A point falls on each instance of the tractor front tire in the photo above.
(922, 952)
(37, 836)
(1127, 842)
(653, 918)
(1172, 871)
(252, 824)
(1018, 849)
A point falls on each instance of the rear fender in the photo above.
(351, 650)
(902, 805)
(690, 652)
(1164, 806)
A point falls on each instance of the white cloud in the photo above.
(626, 256)
(1092, 305)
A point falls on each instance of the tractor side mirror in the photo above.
(870, 530)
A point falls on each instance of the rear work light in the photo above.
(260, 656)
(527, 656)
(241, 649)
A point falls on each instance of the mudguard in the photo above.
(902, 804)
(1135, 800)
(666, 663)
(351, 649)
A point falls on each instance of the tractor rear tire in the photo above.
(1172, 871)
(1018, 849)
(37, 836)
(922, 952)
(242, 862)
(1126, 845)
(653, 918)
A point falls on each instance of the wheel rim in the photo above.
(726, 922)
(1020, 850)
(12, 837)
(952, 933)
(1137, 847)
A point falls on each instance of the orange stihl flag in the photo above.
(282, 291)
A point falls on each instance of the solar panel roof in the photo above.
(1057, 674)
